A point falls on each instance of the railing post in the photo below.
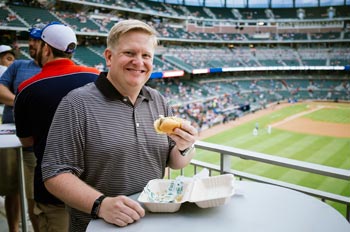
(169, 173)
(225, 163)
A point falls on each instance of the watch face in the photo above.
(187, 150)
(184, 152)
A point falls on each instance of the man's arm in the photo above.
(6, 96)
(74, 192)
(27, 142)
(119, 210)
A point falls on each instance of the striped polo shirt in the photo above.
(108, 142)
(35, 106)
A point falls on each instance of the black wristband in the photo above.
(96, 206)
(187, 150)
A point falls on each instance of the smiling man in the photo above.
(102, 145)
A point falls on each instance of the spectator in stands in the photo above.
(111, 149)
(35, 105)
(7, 56)
(17, 72)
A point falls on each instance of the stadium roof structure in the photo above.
(258, 3)
(235, 40)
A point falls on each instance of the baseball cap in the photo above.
(59, 36)
(36, 30)
(6, 48)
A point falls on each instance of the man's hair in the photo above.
(125, 26)
(57, 53)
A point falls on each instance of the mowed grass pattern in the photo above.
(323, 150)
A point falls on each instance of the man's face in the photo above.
(33, 47)
(41, 57)
(130, 63)
(7, 59)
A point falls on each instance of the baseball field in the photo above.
(315, 132)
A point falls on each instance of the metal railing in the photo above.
(226, 154)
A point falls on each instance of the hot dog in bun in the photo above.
(166, 125)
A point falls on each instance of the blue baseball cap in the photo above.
(36, 30)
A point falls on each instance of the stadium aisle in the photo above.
(3, 222)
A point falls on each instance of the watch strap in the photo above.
(187, 150)
(96, 206)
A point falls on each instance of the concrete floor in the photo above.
(3, 222)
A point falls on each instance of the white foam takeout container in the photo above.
(205, 193)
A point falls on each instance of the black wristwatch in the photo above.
(187, 150)
(96, 206)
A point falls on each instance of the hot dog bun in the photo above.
(166, 125)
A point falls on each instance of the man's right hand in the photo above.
(120, 210)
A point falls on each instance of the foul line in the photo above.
(296, 116)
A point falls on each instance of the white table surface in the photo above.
(255, 207)
(10, 141)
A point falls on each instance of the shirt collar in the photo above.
(109, 91)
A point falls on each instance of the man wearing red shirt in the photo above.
(35, 106)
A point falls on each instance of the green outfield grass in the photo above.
(323, 150)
